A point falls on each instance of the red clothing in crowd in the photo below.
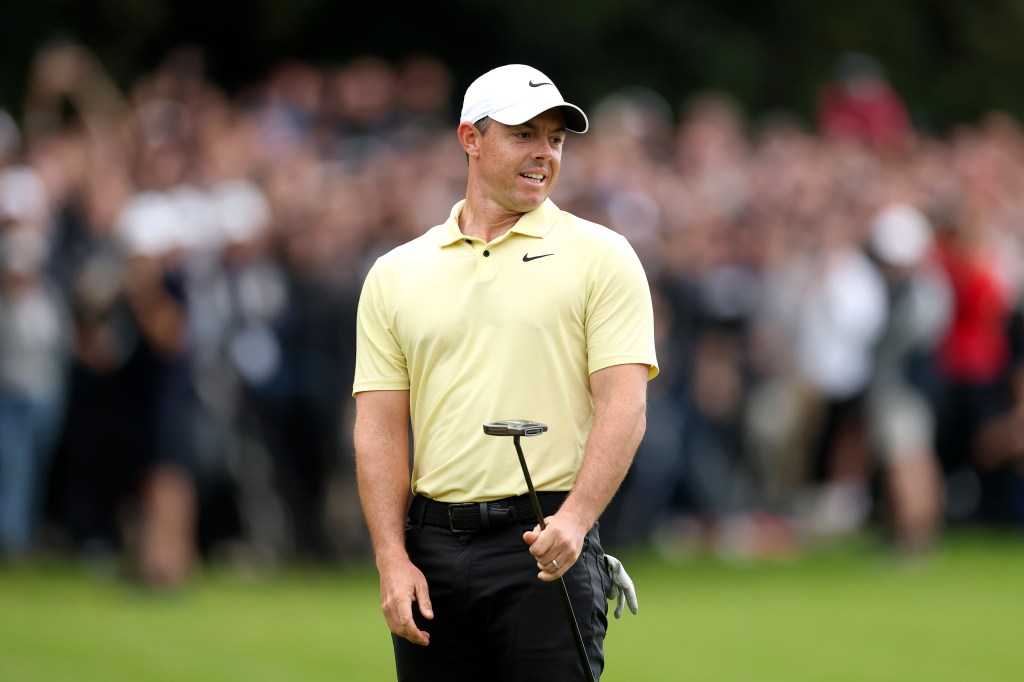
(872, 113)
(976, 348)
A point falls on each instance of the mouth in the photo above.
(534, 178)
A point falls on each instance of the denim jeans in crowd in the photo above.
(28, 430)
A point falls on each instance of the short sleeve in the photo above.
(380, 360)
(620, 314)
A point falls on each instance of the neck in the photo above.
(486, 220)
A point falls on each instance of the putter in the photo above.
(518, 428)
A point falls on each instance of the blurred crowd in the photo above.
(838, 308)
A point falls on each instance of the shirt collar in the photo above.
(535, 223)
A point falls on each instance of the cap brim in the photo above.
(575, 120)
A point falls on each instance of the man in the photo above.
(510, 309)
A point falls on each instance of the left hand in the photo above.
(557, 547)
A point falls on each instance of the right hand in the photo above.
(401, 584)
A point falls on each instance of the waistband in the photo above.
(467, 517)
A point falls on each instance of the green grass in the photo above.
(847, 614)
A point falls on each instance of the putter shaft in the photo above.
(580, 647)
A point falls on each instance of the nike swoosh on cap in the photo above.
(537, 85)
(527, 257)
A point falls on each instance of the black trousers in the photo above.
(494, 619)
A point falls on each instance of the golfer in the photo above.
(510, 309)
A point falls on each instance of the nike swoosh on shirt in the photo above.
(537, 85)
(527, 257)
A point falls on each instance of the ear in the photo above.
(469, 138)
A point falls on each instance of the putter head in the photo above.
(514, 427)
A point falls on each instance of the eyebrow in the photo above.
(533, 126)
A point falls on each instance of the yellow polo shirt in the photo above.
(511, 329)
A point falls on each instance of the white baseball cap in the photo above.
(900, 234)
(515, 93)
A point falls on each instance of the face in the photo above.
(517, 165)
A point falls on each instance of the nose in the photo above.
(544, 149)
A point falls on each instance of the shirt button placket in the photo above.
(485, 264)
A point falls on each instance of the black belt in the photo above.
(466, 517)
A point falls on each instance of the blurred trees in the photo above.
(951, 60)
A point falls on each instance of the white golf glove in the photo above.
(622, 588)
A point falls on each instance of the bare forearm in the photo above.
(382, 473)
(620, 418)
(609, 454)
(619, 425)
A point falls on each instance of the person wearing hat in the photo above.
(510, 309)
(900, 399)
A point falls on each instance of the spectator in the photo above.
(900, 408)
(34, 351)
(860, 105)
(980, 255)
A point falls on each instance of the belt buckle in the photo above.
(451, 523)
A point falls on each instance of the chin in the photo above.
(531, 202)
